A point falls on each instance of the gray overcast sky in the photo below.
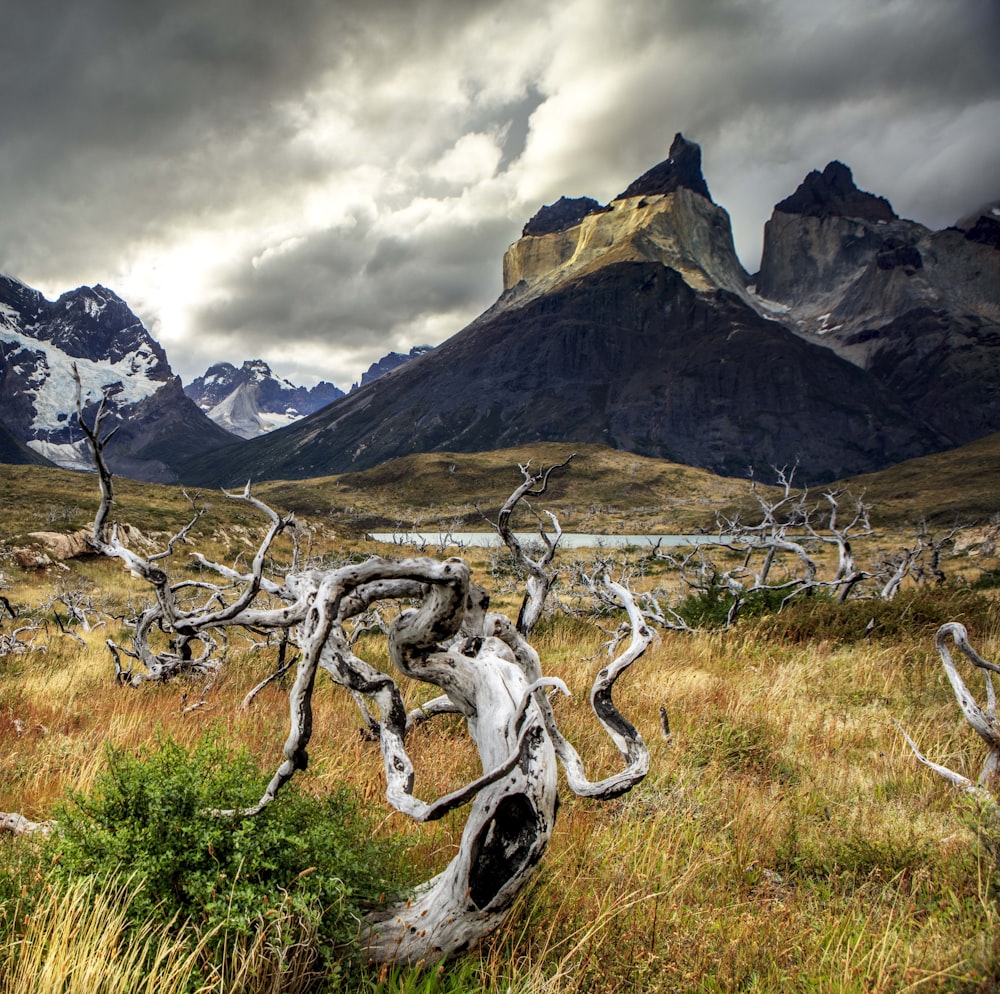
(316, 182)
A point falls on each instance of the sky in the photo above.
(319, 182)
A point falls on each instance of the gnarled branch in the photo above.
(983, 721)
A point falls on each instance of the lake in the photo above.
(569, 540)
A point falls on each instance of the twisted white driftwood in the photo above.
(481, 663)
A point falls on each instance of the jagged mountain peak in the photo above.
(565, 213)
(258, 370)
(832, 193)
(389, 362)
(665, 216)
(982, 225)
(253, 400)
(18, 296)
(680, 170)
(217, 371)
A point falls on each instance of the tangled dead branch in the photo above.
(983, 720)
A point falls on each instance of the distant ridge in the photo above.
(864, 340)
(93, 330)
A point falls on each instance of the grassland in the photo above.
(785, 840)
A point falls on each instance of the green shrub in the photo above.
(711, 608)
(315, 862)
(989, 579)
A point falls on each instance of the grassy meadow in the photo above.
(786, 838)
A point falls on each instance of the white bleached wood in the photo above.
(480, 663)
(983, 721)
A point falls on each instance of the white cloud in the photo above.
(472, 159)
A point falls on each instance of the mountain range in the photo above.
(92, 330)
(252, 400)
(864, 339)
(159, 424)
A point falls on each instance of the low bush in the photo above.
(913, 613)
(299, 873)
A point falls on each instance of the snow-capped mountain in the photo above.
(94, 330)
(252, 400)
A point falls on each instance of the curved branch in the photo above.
(539, 580)
(983, 722)
(625, 736)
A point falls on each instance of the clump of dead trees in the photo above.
(441, 632)
(794, 544)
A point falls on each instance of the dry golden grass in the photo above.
(77, 943)
(785, 839)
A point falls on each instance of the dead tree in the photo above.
(492, 676)
(982, 720)
(839, 533)
(919, 562)
(482, 664)
(770, 535)
(538, 574)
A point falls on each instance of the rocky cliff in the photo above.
(666, 216)
(919, 309)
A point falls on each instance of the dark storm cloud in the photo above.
(121, 116)
(318, 182)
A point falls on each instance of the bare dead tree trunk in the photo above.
(481, 663)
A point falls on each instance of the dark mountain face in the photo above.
(95, 323)
(565, 213)
(390, 362)
(629, 357)
(13, 452)
(832, 193)
(918, 309)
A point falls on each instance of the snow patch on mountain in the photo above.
(252, 400)
(66, 455)
(94, 331)
(50, 379)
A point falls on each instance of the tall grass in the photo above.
(785, 839)
(78, 940)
